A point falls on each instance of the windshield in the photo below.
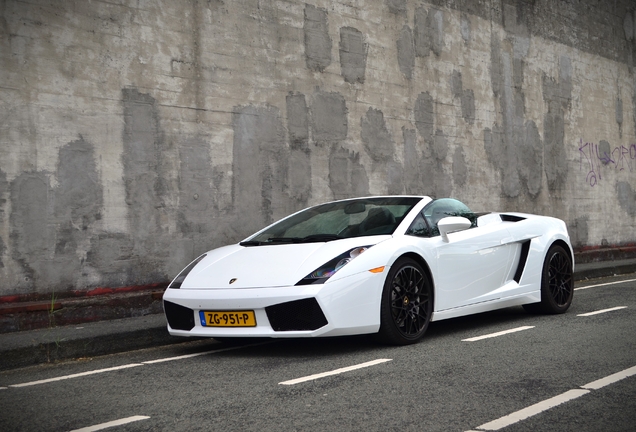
(338, 220)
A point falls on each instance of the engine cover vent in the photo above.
(511, 218)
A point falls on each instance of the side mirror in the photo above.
(451, 224)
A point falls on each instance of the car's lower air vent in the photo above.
(179, 317)
(296, 315)
(511, 218)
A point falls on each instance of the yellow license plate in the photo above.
(228, 319)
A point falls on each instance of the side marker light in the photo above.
(377, 270)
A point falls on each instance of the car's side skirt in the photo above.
(533, 297)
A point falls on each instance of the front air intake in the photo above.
(296, 315)
(179, 317)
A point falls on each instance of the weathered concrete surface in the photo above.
(353, 55)
(135, 136)
(317, 39)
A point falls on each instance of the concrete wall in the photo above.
(137, 134)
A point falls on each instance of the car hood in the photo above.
(267, 266)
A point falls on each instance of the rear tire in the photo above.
(557, 285)
(407, 303)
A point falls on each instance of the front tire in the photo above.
(407, 303)
(557, 284)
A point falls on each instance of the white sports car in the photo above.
(387, 265)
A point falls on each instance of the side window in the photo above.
(444, 207)
(419, 228)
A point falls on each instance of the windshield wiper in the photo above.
(308, 239)
(321, 238)
(271, 241)
(250, 243)
(284, 240)
(313, 238)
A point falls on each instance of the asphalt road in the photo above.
(542, 376)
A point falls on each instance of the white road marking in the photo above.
(533, 410)
(595, 385)
(538, 408)
(334, 372)
(186, 356)
(76, 375)
(501, 333)
(602, 311)
(3, 388)
(149, 362)
(181, 357)
(604, 284)
(111, 424)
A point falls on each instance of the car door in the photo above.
(473, 264)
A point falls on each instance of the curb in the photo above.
(595, 270)
(28, 348)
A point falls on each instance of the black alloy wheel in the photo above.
(407, 303)
(557, 284)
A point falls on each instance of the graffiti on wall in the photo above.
(600, 158)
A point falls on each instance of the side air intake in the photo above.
(525, 248)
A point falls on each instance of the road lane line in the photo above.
(538, 408)
(186, 356)
(181, 357)
(595, 385)
(60, 378)
(501, 333)
(334, 372)
(149, 362)
(604, 284)
(602, 311)
(533, 410)
(111, 424)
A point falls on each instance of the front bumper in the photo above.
(349, 305)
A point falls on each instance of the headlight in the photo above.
(176, 283)
(324, 272)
